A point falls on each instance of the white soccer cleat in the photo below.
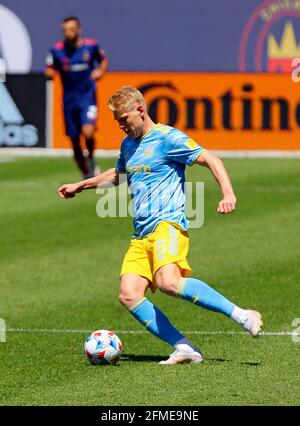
(97, 171)
(253, 323)
(94, 169)
(183, 357)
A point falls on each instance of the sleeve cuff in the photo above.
(196, 157)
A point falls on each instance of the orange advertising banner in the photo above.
(219, 111)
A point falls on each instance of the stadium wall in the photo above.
(166, 35)
(23, 111)
(223, 112)
(243, 112)
(220, 71)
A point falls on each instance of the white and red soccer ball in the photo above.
(103, 347)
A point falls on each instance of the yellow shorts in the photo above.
(166, 244)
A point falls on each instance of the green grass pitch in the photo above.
(59, 266)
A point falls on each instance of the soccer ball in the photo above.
(103, 347)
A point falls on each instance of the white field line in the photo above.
(112, 153)
(50, 152)
(6, 159)
(208, 333)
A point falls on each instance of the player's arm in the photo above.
(49, 71)
(104, 180)
(98, 72)
(215, 164)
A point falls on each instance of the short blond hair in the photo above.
(125, 99)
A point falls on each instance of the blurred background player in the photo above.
(80, 63)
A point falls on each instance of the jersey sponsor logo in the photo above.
(141, 168)
(15, 44)
(13, 129)
(67, 67)
(271, 37)
(78, 67)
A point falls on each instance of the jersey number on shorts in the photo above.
(160, 249)
(92, 112)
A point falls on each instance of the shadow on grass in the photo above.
(157, 358)
(219, 360)
(142, 358)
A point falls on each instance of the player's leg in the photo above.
(79, 157)
(169, 280)
(132, 296)
(136, 277)
(88, 131)
(170, 247)
(88, 117)
(72, 124)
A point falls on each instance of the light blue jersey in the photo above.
(155, 166)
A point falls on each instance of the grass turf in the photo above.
(59, 270)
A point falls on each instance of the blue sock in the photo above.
(155, 321)
(201, 294)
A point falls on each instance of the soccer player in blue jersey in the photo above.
(154, 157)
(80, 62)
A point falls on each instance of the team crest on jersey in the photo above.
(86, 56)
(148, 152)
(270, 40)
